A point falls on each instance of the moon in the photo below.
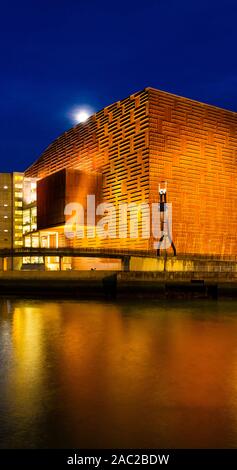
(81, 116)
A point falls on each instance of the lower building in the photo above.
(17, 214)
(6, 212)
(11, 214)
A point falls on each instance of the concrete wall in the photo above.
(185, 265)
(89, 284)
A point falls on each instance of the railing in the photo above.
(75, 252)
(108, 252)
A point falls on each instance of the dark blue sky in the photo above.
(56, 54)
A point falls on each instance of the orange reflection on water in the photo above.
(164, 361)
(107, 374)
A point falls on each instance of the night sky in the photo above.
(58, 54)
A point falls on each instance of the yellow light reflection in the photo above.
(29, 325)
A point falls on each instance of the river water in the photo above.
(118, 374)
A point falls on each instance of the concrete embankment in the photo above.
(60, 283)
(89, 284)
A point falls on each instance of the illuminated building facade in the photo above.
(120, 155)
(6, 216)
(113, 147)
(17, 213)
(149, 137)
(11, 211)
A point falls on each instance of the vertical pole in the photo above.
(126, 263)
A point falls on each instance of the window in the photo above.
(18, 194)
(18, 177)
(26, 228)
(26, 217)
(18, 243)
(35, 242)
(27, 242)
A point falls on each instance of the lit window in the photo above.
(26, 216)
(5, 205)
(5, 230)
(35, 242)
(27, 242)
(18, 243)
(26, 228)
(18, 194)
(18, 203)
(5, 216)
(5, 187)
(19, 186)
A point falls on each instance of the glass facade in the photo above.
(29, 229)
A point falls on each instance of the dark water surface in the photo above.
(119, 374)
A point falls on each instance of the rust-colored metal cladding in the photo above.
(149, 137)
(61, 188)
(193, 146)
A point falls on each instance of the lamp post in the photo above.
(164, 220)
